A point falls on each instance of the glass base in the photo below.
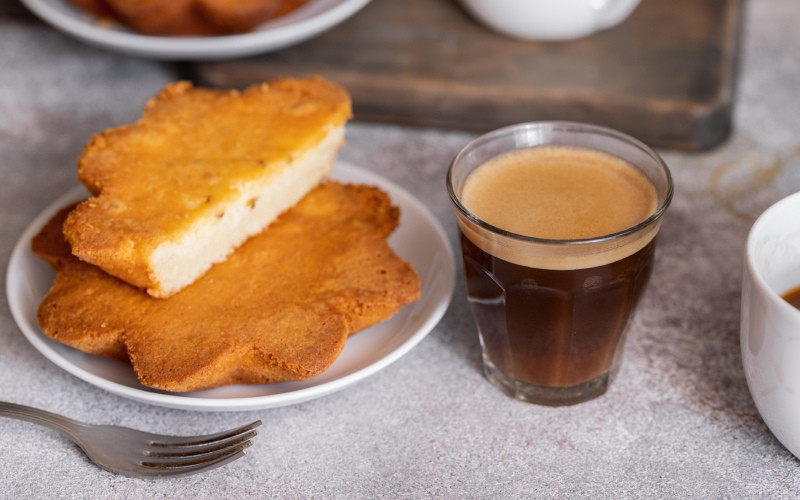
(549, 396)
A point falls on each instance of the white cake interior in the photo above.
(212, 238)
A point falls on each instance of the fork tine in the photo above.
(185, 469)
(170, 441)
(178, 461)
(193, 449)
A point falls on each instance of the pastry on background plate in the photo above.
(240, 16)
(160, 17)
(189, 17)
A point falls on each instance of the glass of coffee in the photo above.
(558, 225)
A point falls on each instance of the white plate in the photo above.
(419, 239)
(301, 24)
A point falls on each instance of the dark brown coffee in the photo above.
(552, 314)
(793, 297)
(553, 328)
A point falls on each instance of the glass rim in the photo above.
(566, 126)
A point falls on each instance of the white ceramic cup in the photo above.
(550, 20)
(770, 326)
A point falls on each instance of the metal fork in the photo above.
(141, 454)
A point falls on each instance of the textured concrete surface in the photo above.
(678, 423)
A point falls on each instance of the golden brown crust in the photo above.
(159, 17)
(279, 308)
(239, 16)
(186, 158)
(99, 8)
(68, 311)
(189, 17)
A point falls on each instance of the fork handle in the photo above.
(41, 417)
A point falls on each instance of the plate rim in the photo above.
(272, 35)
(399, 196)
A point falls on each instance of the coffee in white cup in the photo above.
(770, 324)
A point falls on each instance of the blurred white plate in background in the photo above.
(301, 24)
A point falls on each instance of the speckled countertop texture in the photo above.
(677, 423)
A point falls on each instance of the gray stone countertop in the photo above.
(677, 423)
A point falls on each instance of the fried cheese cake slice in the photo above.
(198, 174)
(278, 309)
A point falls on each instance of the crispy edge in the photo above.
(60, 315)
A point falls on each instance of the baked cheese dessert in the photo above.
(198, 174)
(280, 308)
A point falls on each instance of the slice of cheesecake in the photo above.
(198, 174)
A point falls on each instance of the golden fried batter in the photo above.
(71, 314)
(190, 17)
(200, 172)
(239, 16)
(160, 17)
(99, 8)
(279, 308)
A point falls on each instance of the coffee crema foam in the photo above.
(559, 193)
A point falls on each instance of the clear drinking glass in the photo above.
(552, 313)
